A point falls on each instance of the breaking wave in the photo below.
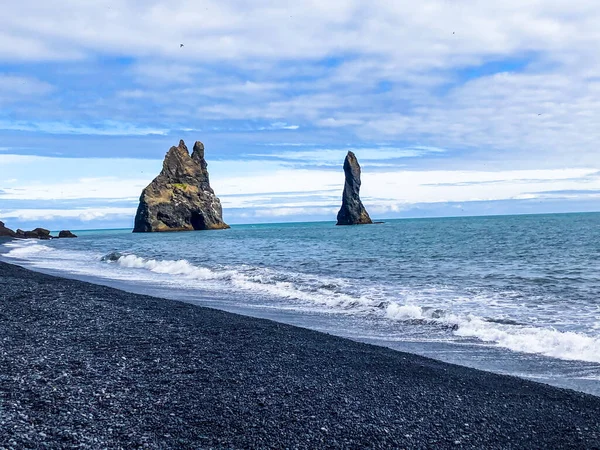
(304, 291)
(179, 267)
(25, 248)
(262, 281)
(508, 334)
(329, 293)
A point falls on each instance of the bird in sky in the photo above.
(180, 45)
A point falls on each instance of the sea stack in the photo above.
(180, 197)
(352, 211)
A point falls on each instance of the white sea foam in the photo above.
(261, 281)
(545, 341)
(25, 248)
(299, 287)
(330, 294)
(549, 342)
(179, 267)
(566, 345)
(404, 312)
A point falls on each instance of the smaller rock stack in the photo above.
(352, 211)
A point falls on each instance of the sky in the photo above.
(461, 107)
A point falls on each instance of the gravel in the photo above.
(87, 366)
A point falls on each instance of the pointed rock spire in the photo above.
(198, 153)
(198, 156)
(352, 211)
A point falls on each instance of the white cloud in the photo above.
(266, 188)
(46, 178)
(9, 158)
(280, 126)
(462, 186)
(336, 156)
(543, 115)
(257, 62)
(398, 187)
(105, 128)
(252, 183)
(100, 188)
(334, 123)
(13, 87)
(289, 144)
(282, 212)
(230, 30)
(84, 214)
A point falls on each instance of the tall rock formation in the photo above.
(180, 197)
(352, 211)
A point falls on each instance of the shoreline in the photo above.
(89, 365)
(499, 359)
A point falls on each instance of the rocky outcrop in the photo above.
(112, 257)
(66, 234)
(180, 197)
(38, 233)
(352, 211)
(6, 232)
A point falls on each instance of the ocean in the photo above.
(517, 295)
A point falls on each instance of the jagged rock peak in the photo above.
(198, 152)
(180, 197)
(352, 211)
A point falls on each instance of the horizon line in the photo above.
(472, 216)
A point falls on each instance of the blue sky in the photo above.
(453, 108)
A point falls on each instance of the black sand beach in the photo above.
(86, 366)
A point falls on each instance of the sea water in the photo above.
(517, 295)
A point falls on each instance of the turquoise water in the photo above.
(512, 294)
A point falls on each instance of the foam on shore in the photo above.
(327, 293)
